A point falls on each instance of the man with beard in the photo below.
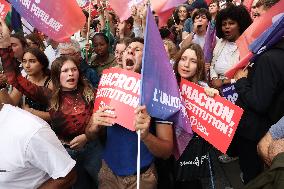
(120, 153)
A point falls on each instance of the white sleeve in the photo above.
(214, 59)
(46, 152)
(213, 73)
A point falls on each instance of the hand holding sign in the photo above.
(241, 73)
(119, 89)
(211, 91)
(142, 121)
(214, 119)
(104, 116)
(4, 35)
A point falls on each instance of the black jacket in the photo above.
(273, 178)
(259, 91)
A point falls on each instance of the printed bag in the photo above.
(193, 163)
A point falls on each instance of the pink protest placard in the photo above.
(214, 119)
(119, 89)
(4, 8)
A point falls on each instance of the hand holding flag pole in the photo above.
(142, 124)
(139, 138)
(138, 160)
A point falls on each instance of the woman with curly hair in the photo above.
(226, 54)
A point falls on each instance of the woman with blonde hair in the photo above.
(171, 49)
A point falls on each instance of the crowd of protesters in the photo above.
(57, 82)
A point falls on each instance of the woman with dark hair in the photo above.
(180, 16)
(40, 56)
(70, 108)
(190, 65)
(18, 43)
(34, 41)
(103, 59)
(35, 64)
(201, 19)
(226, 54)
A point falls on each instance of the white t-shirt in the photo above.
(51, 54)
(224, 61)
(30, 152)
(200, 40)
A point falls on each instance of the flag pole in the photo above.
(138, 160)
(88, 29)
(139, 132)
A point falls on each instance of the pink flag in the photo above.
(248, 4)
(252, 33)
(164, 8)
(4, 8)
(123, 7)
(57, 19)
(164, 5)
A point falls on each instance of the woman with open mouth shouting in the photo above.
(70, 107)
(226, 54)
